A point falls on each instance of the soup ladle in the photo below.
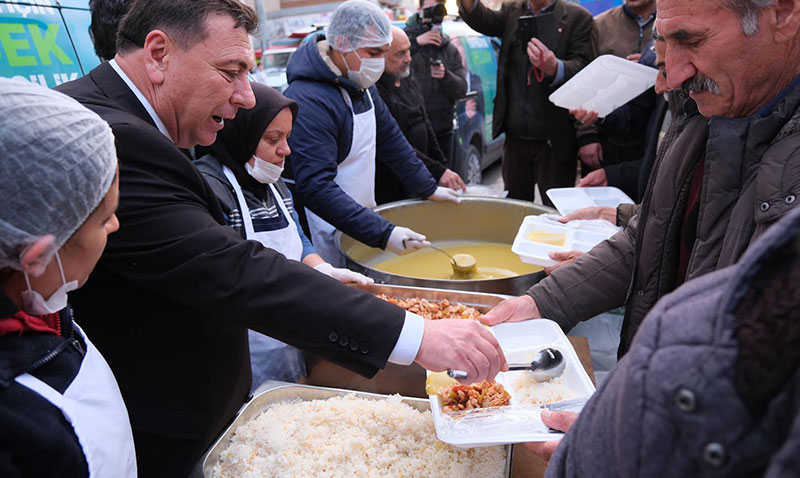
(463, 264)
(549, 363)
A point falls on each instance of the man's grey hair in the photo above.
(748, 10)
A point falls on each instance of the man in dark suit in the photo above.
(540, 146)
(172, 297)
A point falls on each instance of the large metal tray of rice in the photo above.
(304, 431)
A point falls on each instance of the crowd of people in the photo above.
(204, 207)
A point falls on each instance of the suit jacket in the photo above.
(524, 111)
(175, 291)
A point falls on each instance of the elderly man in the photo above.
(541, 147)
(708, 387)
(342, 128)
(721, 184)
(406, 103)
(176, 290)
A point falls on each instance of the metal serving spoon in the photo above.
(548, 363)
(463, 264)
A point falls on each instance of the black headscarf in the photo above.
(237, 141)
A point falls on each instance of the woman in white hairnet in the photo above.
(61, 412)
(342, 127)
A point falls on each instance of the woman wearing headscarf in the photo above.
(61, 411)
(244, 170)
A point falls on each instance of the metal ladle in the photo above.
(549, 363)
(463, 264)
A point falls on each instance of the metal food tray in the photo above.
(480, 301)
(283, 392)
(409, 380)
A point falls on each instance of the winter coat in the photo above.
(751, 177)
(711, 384)
(264, 209)
(407, 106)
(321, 139)
(35, 438)
(521, 110)
(440, 95)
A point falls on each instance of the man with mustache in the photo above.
(723, 181)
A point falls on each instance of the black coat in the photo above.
(440, 95)
(523, 111)
(36, 440)
(407, 106)
(175, 291)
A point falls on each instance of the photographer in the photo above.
(437, 67)
(540, 146)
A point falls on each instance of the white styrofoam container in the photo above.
(604, 85)
(517, 422)
(567, 200)
(532, 252)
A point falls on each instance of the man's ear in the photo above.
(787, 19)
(157, 49)
(34, 258)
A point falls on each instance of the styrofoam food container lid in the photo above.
(518, 422)
(567, 200)
(604, 85)
(532, 251)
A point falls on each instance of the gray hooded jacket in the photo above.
(711, 385)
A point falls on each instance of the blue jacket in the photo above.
(321, 139)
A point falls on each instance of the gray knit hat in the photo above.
(57, 162)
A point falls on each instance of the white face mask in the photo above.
(370, 72)
(35, 304)
(264, 171)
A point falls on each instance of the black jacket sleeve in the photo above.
(454, 83)
(171, 245)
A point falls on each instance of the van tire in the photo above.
(472, 165)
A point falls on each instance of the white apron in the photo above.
(271, 359)
(355, 176)
(93, 405)
(286, 241)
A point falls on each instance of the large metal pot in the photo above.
(475, 218)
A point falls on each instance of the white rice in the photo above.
(353, 437)
(528, 391)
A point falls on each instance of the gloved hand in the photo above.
(403, 240)
(445, 194)
(344, 275)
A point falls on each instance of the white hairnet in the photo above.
(57, 162)
(358, 24)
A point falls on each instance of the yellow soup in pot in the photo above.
(495, 261)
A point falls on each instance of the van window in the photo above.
(38, 41)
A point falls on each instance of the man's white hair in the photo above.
(748, 10)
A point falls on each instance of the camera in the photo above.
(434, 14)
